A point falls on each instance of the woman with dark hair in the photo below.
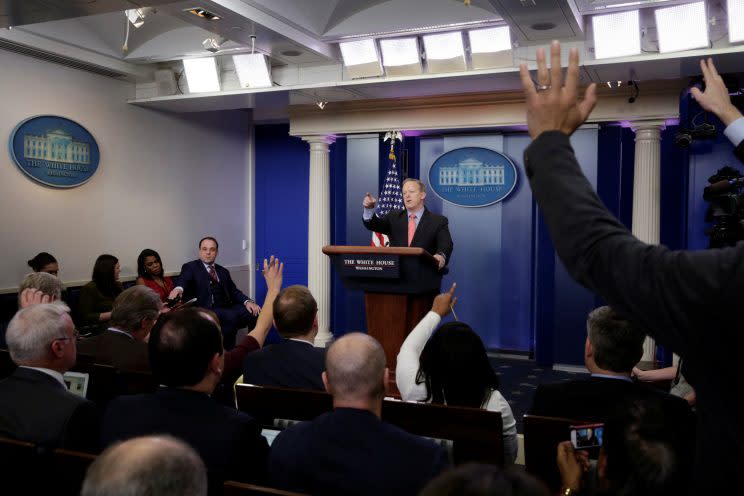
(97, 297)
(151, 274)
(451, 367)
(44, 262)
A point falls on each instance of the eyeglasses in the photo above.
(75, 336)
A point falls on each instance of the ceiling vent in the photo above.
(541, 20)
(29, 51)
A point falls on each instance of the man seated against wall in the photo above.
(123, 345)
(613, 346)
(350, 450)
(187, 358)
(213, 288)
(36, 405)
(294, 362)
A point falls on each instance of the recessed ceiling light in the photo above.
(291, 53)
(543, 26)
(203, 13)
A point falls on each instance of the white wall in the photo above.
(164, 180)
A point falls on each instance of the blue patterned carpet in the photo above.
(520, 378)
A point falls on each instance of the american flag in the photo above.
(391, 197)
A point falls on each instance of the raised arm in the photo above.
(410, 351)
(273, 273)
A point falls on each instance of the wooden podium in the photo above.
(399, 286)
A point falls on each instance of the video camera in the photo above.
(726, 209)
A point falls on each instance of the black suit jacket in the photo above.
(229, 441)
(290, 364)
(687, 300)
(432, 233)
(349, 451)
(38, 409)
(194, 280)
(118, 350)
(596, 398)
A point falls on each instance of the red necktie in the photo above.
(411, 227)
(212, 274)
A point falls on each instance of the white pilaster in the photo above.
(646, 194)
(319, 233)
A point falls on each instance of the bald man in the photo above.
(147, 465)
(350, 450)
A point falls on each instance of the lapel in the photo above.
(420, 229)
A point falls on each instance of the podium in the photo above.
(399, 287)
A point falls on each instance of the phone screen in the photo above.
(587, 436)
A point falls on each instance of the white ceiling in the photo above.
(301, 38)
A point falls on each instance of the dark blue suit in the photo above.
(229, 441)
(350, 451)
(289, 364)
(233, 315)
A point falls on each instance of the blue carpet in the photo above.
(519, 380)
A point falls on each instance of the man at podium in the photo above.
(413, 225)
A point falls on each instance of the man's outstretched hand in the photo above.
(716, 97)
(553, 105)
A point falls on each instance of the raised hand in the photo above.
(273, 271)
(444, 302)
(553, 105)
(31, 296)
(716, 97)
(369, 201)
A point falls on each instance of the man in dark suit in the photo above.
(213, 288)
(613, 346)
(294, 362)
(123, 344)
(36, 406)
(186, 356)
(687, 300)
(414, 225)
(350, 450)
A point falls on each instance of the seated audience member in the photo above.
(643, 454)
(613, 346)
(350, 450)
(97, 297)
(680, 387)
(451, 367)
(39, 287)
(147, 466)
(254, 340)
(36, 406)
(124, 344)
(294, 362)
(150, 273)
(213, 288)
(186, 356)
(44, 262)
(479, 479)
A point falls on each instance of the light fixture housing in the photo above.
(253, 70)
(361, 58)
(214, 43)
(137, 16)
(444, 52)
(202, 75)
(735, 11)
(617, 34)
(401, 56)
(682, 27)
(490, 47)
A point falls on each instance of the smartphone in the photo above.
(587, 437)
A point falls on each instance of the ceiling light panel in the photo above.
(445, 52)
(202, 75)
(253, 70)
(361, 58)
(400, 56)
(682, 27)
(616, 35)
(735, 10)
(490, 47)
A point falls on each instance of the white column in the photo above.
(319, 233)
(646, 194)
